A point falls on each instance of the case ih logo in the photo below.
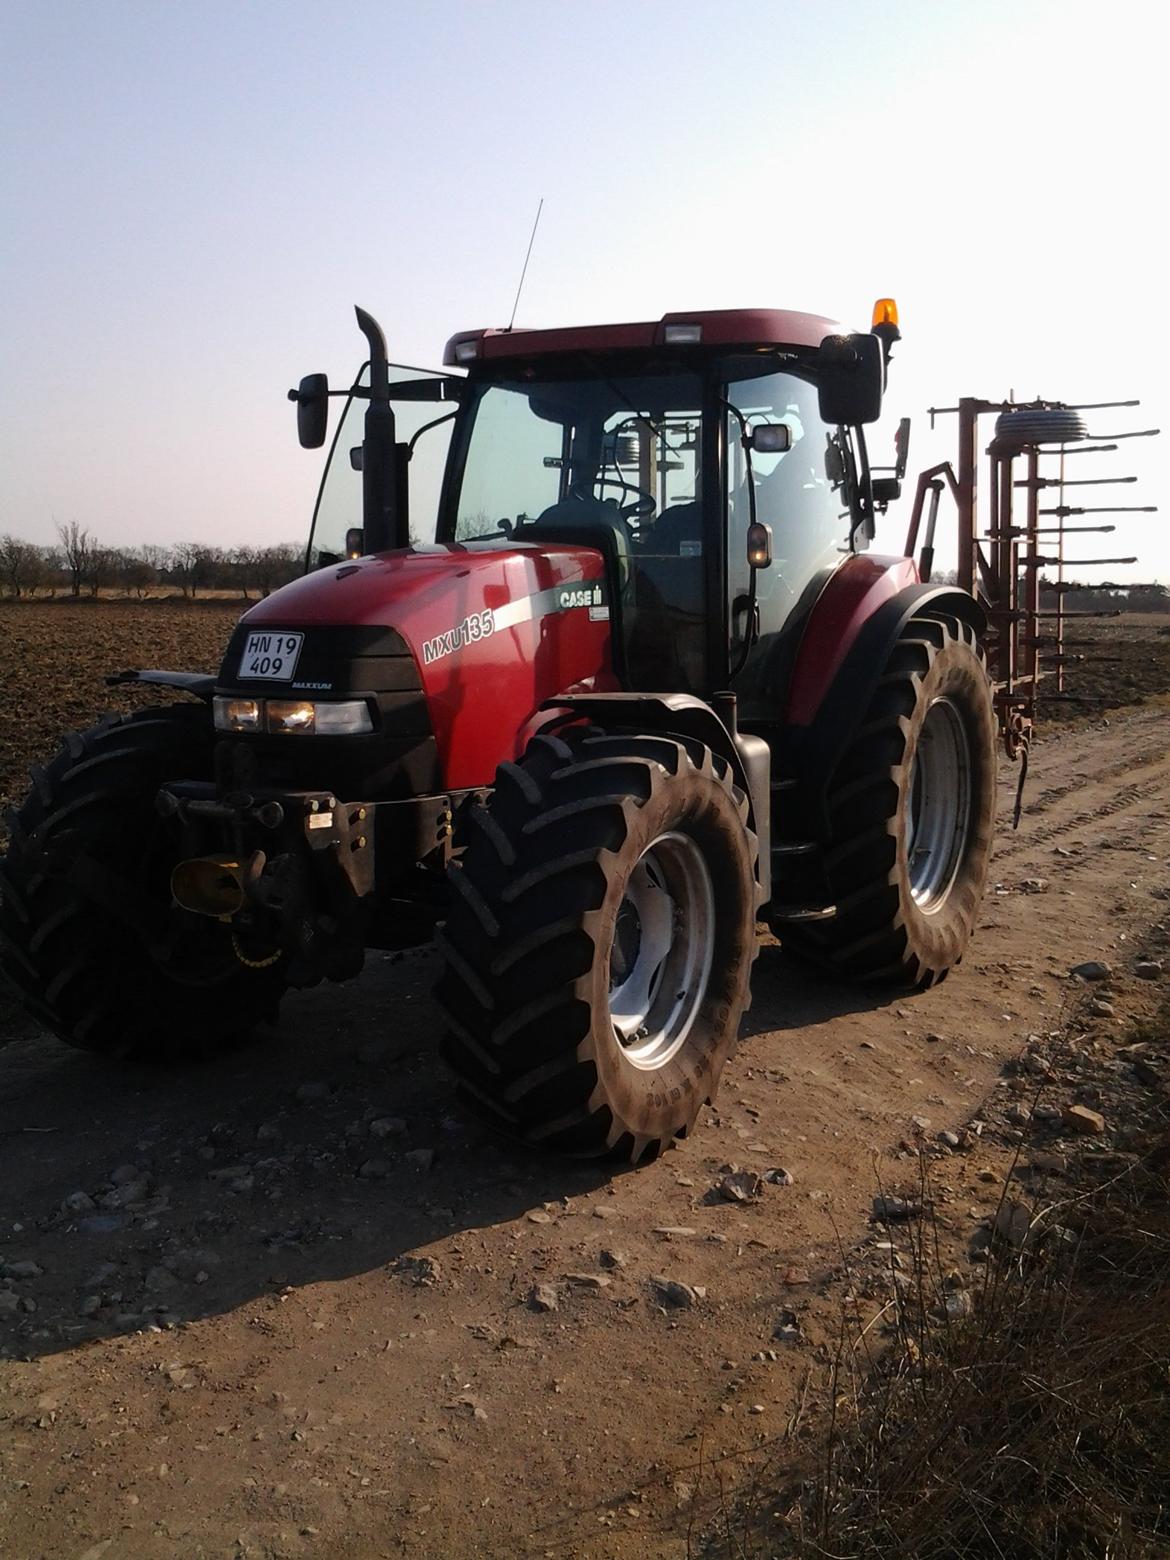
(589, 596)
(473, 628)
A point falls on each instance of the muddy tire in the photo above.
(88, 937)
(911, 811)
(599, 946)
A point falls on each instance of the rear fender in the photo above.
(815, 744)
(683, 715)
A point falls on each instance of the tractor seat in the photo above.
(681, 523)
(586, 522)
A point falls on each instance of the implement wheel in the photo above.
(912, 810)
(88, 935)
(600, 942)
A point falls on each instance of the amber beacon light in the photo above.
(885, 312)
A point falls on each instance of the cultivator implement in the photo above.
(1018, 563)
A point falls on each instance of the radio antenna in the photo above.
(527, 256)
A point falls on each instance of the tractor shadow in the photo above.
(788, 993)
(329, 1148)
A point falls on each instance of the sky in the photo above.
(196, 195)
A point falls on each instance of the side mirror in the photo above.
(850, 379)
(312, 398)
(355, 542)
(901, 448)
(770, 439)
(759, 545)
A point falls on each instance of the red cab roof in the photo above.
(718, 328)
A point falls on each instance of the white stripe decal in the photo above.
(481, 625)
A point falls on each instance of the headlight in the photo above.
(238, 714)
(291, 715)
(327, 718)
(330, 718)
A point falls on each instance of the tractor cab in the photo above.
(659, 445)
(662, 460)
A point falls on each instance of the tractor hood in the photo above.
(494, 629)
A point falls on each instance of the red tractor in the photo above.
(644, 689)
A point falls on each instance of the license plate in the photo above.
(271, 656)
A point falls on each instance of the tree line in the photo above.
(1107, 596)
(81, 565)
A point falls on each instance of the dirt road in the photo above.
(282, 1304)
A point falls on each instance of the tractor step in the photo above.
(794, 848)
(789, 913)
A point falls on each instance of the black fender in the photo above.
(201, 684)
(813, 752)
(684, 715)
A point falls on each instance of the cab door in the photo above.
(803, 495)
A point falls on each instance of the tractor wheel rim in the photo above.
(938, 817)
(660, 960)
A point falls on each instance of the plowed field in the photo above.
(54, 655)
(283, 1305)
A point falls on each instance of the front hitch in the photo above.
(309, 889)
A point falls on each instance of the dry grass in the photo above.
(1036, 1427)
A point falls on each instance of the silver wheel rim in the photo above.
(938, 814)
(660, 960)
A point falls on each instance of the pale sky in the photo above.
(195, 196)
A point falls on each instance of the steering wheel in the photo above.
(642, 507)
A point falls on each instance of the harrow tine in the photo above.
(1077, 449)
(1100, 406)
(1083, 563)
(1101, 509)
(1063, 482)
(1140, 433)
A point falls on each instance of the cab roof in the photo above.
(716, 328)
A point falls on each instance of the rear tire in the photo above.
(912, 812)
(600, 942)
(85, 844)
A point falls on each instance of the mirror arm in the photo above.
(749, 633)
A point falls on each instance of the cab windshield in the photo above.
(627, 445)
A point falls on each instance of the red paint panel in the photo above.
(855, 592)
(721, 328)
(482, 684)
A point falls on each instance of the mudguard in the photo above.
(826, 705)
(683, 715)
(197, 683)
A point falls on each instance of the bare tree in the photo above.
(244, 560)
(137, 572)
(77, 546)
(184, 565)
(102, 568)
(275, 566)
(21, 565)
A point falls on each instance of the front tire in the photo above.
(912, 814)
(600, 941)
(88, 936)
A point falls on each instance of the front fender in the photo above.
(683, 715)
(197, 683)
